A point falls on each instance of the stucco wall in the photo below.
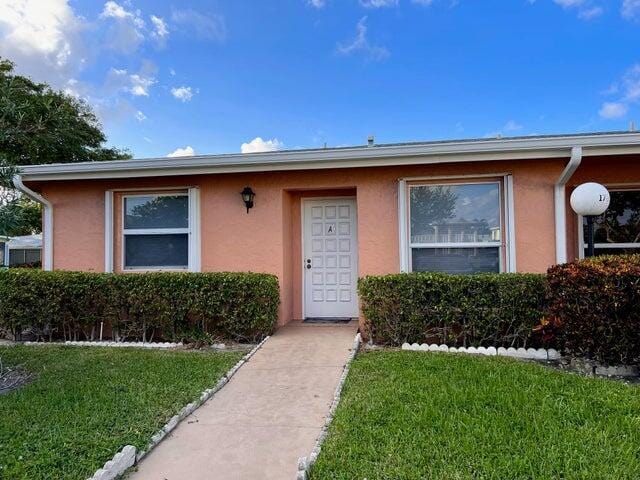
(268, 238)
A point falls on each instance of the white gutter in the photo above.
(47, 222)
(560, 203)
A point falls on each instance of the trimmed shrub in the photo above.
(147, 306)
(597, 305)
(457, 310)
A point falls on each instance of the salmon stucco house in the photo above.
(321, 218)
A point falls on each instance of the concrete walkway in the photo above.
(265, 418)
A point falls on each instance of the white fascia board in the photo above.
(384, 155)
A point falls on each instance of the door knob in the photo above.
(308, 263)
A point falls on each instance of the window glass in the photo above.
(167, 250)
(166, 211)
(32, 256)
(456, 260)
(621, 222)
(455, 213)
(16, 257)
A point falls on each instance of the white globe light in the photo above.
(590, 199)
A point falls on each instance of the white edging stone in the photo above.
(584, 366)
(119, 464)
(162, 345)
(536, 354)
(127, 457)
(305, 463)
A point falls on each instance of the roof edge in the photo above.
(514, 148)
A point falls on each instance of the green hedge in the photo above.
(596, 305)
(457, 310)
(148, 306)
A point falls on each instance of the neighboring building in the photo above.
(23, 250)
(324, 217)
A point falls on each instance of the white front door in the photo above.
(330, 261)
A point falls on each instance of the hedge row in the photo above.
(457, 310)
(595, 305)
(150, 306)
(589, 309)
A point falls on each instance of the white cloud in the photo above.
(631, 82)
(360, 44)
(71, 88)
(586, 9)
(378, 3)
(317, 3)
(589, 13)
(208, 27)
(43, 38)
(512, 126)
(140, 85)
(630, 9)
(611, 110)
(141, 117)
(127, 29)
(184, 94)
(259, 145)
(629, 90)
(113, 10)
(137, 84)
(182, 152)
(160, 27)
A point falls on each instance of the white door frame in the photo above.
(303, 201)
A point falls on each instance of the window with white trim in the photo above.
(617, 231)
(456, 227)
(156, 231)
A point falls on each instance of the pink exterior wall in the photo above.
(268, 238)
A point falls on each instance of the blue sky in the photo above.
(210, 76)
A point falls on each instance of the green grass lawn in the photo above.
(87, 403)
(417, 415)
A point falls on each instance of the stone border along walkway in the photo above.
(111, 343)
(127, 457)
(532, 353)
(106, 343)
(305, 463)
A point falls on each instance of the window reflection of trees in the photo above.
(431, 205)
(621, 222)
(433, 218)
(158, 212)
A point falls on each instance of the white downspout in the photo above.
(559, 203)
(6, 256)
(47, 222)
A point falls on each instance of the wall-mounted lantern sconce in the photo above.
(247, 197)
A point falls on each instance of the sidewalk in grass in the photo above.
(266, 417)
